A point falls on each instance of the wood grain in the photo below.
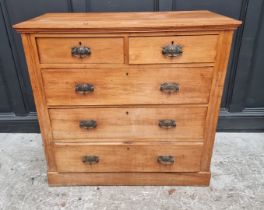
(127, 86)
(133, 21)
(215, 98)
(130, 179)
(128, 158)
(45, 67)
(39, 97)
(56, 50)
(196, 49)
(128, 123)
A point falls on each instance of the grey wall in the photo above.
(243, 98)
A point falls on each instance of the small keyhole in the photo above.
(127, 113)
(80, 43)
(172, 42)
(127, 74)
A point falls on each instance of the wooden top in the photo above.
(128, 21)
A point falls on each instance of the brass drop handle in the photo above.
(167, 123)
(90, 159)
(172, 50)
(169, 87)
(88, 124)
(166, 160)
(81, 51)
(84, 88)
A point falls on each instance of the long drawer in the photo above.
(172, 49)
(131, 123)
(127, 86)
(77, 50)
(157, 157)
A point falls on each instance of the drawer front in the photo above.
(80, 50)
(131, 86)
(167, 123)
(172, 49)
(128, 158)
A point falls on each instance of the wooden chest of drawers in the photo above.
(128, 98)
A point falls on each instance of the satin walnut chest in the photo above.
(128, 98)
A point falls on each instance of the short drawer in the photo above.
(172, 49)
(127, 86)
(157, 157)
(131, 123)
(63, 50)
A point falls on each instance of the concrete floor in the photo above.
(237, 181)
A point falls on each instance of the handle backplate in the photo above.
(172, 50)
(166, 160)
(167, 123)
(90, 159)
(88, 124)
(169, 87)
(84, 88)
(81, 51)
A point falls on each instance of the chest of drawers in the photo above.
(128, 98)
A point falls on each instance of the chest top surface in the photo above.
(128, 21)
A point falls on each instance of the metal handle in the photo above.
(90, 159)
(88, 124)
(166, 160)
(81, 51)
(172, 50)
(169, 87)
(84, 88)
(167, 123)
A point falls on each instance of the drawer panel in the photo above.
(195, 49)
(87, 50)
(130, 123)
(157, 157)
(128, 86)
